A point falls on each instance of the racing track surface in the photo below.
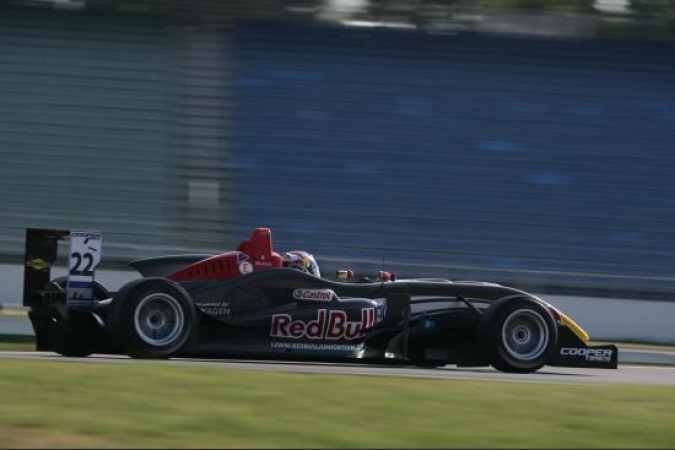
(646, 375)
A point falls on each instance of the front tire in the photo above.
(520, 335)
(152, 318)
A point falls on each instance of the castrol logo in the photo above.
(321, 295)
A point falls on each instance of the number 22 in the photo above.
(80, 259)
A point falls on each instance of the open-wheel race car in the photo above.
(253, 302)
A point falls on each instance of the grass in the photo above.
(16, 343)
(73, 404)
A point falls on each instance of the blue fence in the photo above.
(536, 161)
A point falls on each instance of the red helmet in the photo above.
(300, 260)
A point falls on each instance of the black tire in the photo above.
(519, 335)
(152, 318)
(78, 335)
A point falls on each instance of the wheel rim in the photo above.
(525, 335)
(159, 319)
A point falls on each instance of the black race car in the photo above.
(253, 303)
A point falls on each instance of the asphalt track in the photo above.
(632, 374)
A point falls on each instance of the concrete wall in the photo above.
(620, 319)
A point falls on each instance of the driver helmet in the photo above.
(300, 260)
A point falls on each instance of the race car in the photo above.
(253, 302)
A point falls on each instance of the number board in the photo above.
(85, 254)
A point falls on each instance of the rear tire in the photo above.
(519, 335)
(152, 318)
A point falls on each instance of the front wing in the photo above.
(573, 352)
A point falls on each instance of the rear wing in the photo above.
(39, 257)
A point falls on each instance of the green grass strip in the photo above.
(72, 404)
(16, 343)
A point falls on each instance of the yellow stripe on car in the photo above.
(572, 325)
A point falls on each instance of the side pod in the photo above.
(398, 313)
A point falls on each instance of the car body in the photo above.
(245, 304)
